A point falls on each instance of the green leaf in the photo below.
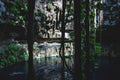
(14, 10)
(12, 59)
(21, 18)
(98, 48)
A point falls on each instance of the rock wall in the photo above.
(111, 13)
(51, 49)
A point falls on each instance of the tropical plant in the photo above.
(11, 54)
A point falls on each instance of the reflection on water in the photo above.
(53, 61)
(17, 71)
(50, 68)
(45, 69)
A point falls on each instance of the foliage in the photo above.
(15, 13)
(11, 54)
(98, 48)
(15, 10)
(12, 49)
(12, 59)
(24, 56)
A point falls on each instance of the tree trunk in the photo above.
(87, 45)
(62, 39)
(30, 38)
(77, 30)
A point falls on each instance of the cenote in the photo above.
(59, 40)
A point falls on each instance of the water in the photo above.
(17, 71)
(45, 69)
(50, 69)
